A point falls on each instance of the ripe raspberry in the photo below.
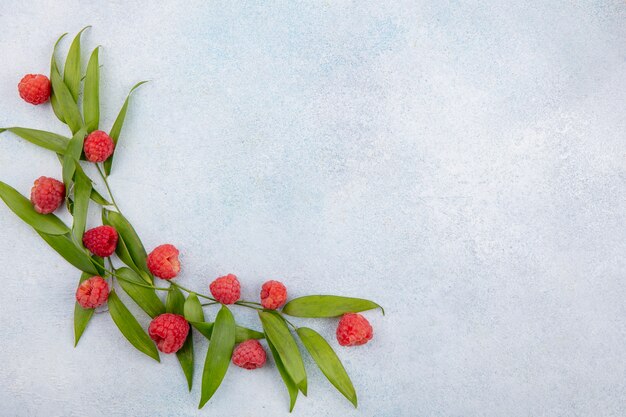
(101, 240)
(226, 289)
(47, 195)
(34, 88)
(273, 295)
(98, 146)
(353, 330)
(163, 261)
(249, 355)
(92, 293)
(169, 332)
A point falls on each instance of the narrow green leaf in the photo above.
(54, 101)
(117, 127)
(317, 306)
(47, 140)
(72, 73)
(132, 242)
(146, 298)
(82, 191)
(65, 102)
(328, 362)
(175, 304)
(219, 354)
(91, 94)
(82, 316)
(292, 389)
(193, 309)
(70, 252)
(130, 327)
(278, 333)
(97, 198)
(72, 155)
(20, 205)
(241, 333)
(98, 262)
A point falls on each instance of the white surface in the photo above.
(462, 163)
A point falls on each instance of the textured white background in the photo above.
(462, 163)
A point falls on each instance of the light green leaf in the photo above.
(241, 333)
(82, 316)
(133, 244)
(292, 389)
(72, 155)
(54, 101)
(72, 73)
(64, 102)
(114, 134)
(82, 191)
(328, 362)
(317, 306)
(20, 205)
(193, 309)
(70, 252)
(47, 140)
(134, 286)
(97, 198)
(219, 354)
(175, 302)
(91, 94)
(130, 327)
(278, 333)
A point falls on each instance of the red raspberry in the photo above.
(273, 295)
(34, 88)
(226, 289)
(249, 355)
(98, 146)
(101, 240)
(92, 293)
(163, 261)
(353, 330)
(47, 195)
(169, 332)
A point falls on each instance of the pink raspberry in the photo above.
(47, 195)
(273, 295)
(98, 146)
(163, 261)
(92, 293)
(169, 332)
(249, 355)
(34, 88)
(101, 240)
(226, 289)
(353, 330)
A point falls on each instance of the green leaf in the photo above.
(71, 157)
(91, 93)
(175, 304)
(117, 127)
(130, 327)
(278, 334)
(47, 140)
(292, 389)
(241, 333)
(65, 103)
(328, 362)
(72, 73)
(219, 354)
(97, 198)
(317, 306)
(20, 205)
(54, 101)
(82, 191)
(82, 316)
(65, 247)
(193, 309)
(146, 298)
(133, 244)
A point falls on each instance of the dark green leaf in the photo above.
(65, 103)
(91, 95)
(20, 205)
(130, 327)
(219, 354)
(72, 73)
(328, 362)
(175, 302)
(241, 333)
(81, 315)
(47, 140)
(70, 252)
(135, 248)
(82, 191)
(117, 127)
(327, 306)
(134, 286)
(278, 333)
(193, 309)
(292, 389)
(54, 101)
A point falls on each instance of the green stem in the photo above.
(192, 292)
(106, 184)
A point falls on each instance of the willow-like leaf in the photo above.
(64, 101)
(82, 316)
(135, 248)
(317, 306)
(193, 309)
(82, 192)
(91, 93)
(175, 304)
(66, 247)
(54, 101)
(292, 388)
(47, 140)
(134, 286)
(241, 333)
(72, 74)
